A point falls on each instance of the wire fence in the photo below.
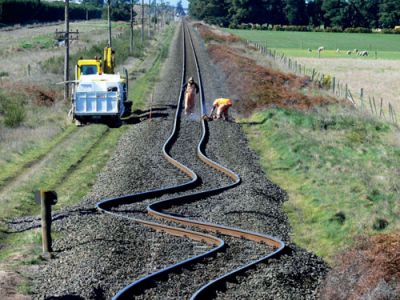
(376, 107)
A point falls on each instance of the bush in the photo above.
(12, 109)
(327, 82)
(390, 31)
(333, 29)
(358, 30)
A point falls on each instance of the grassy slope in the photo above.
(339, 169)
(71, 174)
(297, 43)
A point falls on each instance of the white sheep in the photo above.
(363, 53)
(337, 50)
(321, 49)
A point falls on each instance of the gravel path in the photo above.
(96, 255)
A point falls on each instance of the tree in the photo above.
(335, 12)
(179, 9)
(389, 13)
(315, 13)
(295, 11)
(274, 12)
(211, 11)
(95, 3)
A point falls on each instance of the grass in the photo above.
(120, 45)
(74, 159)
(339, 169)
(39, 41)
(19, 161)
(296, 43)
(79, 182)
(143, 84)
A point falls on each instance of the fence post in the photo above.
(362, 98)
(381, 113)
(313, 74)
(333, 84)
(373, 101)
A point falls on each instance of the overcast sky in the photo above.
(174, 2)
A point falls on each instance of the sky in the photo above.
(174, 2)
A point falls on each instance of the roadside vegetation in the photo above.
(338, 166)
(67, 159)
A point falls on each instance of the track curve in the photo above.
(157, 209)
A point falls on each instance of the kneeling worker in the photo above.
(222, 106)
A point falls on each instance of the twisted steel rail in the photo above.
(156, 209)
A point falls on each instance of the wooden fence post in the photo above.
(362, 98)
(373, 101)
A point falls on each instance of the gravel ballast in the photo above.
(96, 255)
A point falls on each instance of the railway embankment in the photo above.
(108, 263)
(337, 164)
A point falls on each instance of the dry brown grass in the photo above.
(211, 35)
(15, 60)
(259, 86)
(379, 78)
(369, 271)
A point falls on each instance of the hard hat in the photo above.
(191, 79)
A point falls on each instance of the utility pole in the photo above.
(109, 24)
(155, 17)
(142, 31)
(149, 22)
(131, 44)
(66, 58)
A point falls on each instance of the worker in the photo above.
(222, 106)
(191, 89)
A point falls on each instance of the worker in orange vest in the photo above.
(222, 106)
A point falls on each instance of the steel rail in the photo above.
(106, 205)
(155, 209)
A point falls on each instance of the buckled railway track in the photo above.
(194, 189)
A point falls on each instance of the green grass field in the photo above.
(338, 169)
(295, 44)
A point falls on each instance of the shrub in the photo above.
(327, 81)
(333, 29)
(368, 271)
(12, 109)
(14, 114)
(358, 30)
(3, 74)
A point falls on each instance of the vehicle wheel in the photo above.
(128, 108)
(114, 122)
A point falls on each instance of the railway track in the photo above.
(205, 181)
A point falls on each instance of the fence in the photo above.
(377, 107)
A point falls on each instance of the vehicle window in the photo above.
(88, 70)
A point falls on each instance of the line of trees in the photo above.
(29, 11)
(328, 13)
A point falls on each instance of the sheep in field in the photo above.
(363, 53)
(349, 52)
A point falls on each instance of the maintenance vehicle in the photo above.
(100, 95)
